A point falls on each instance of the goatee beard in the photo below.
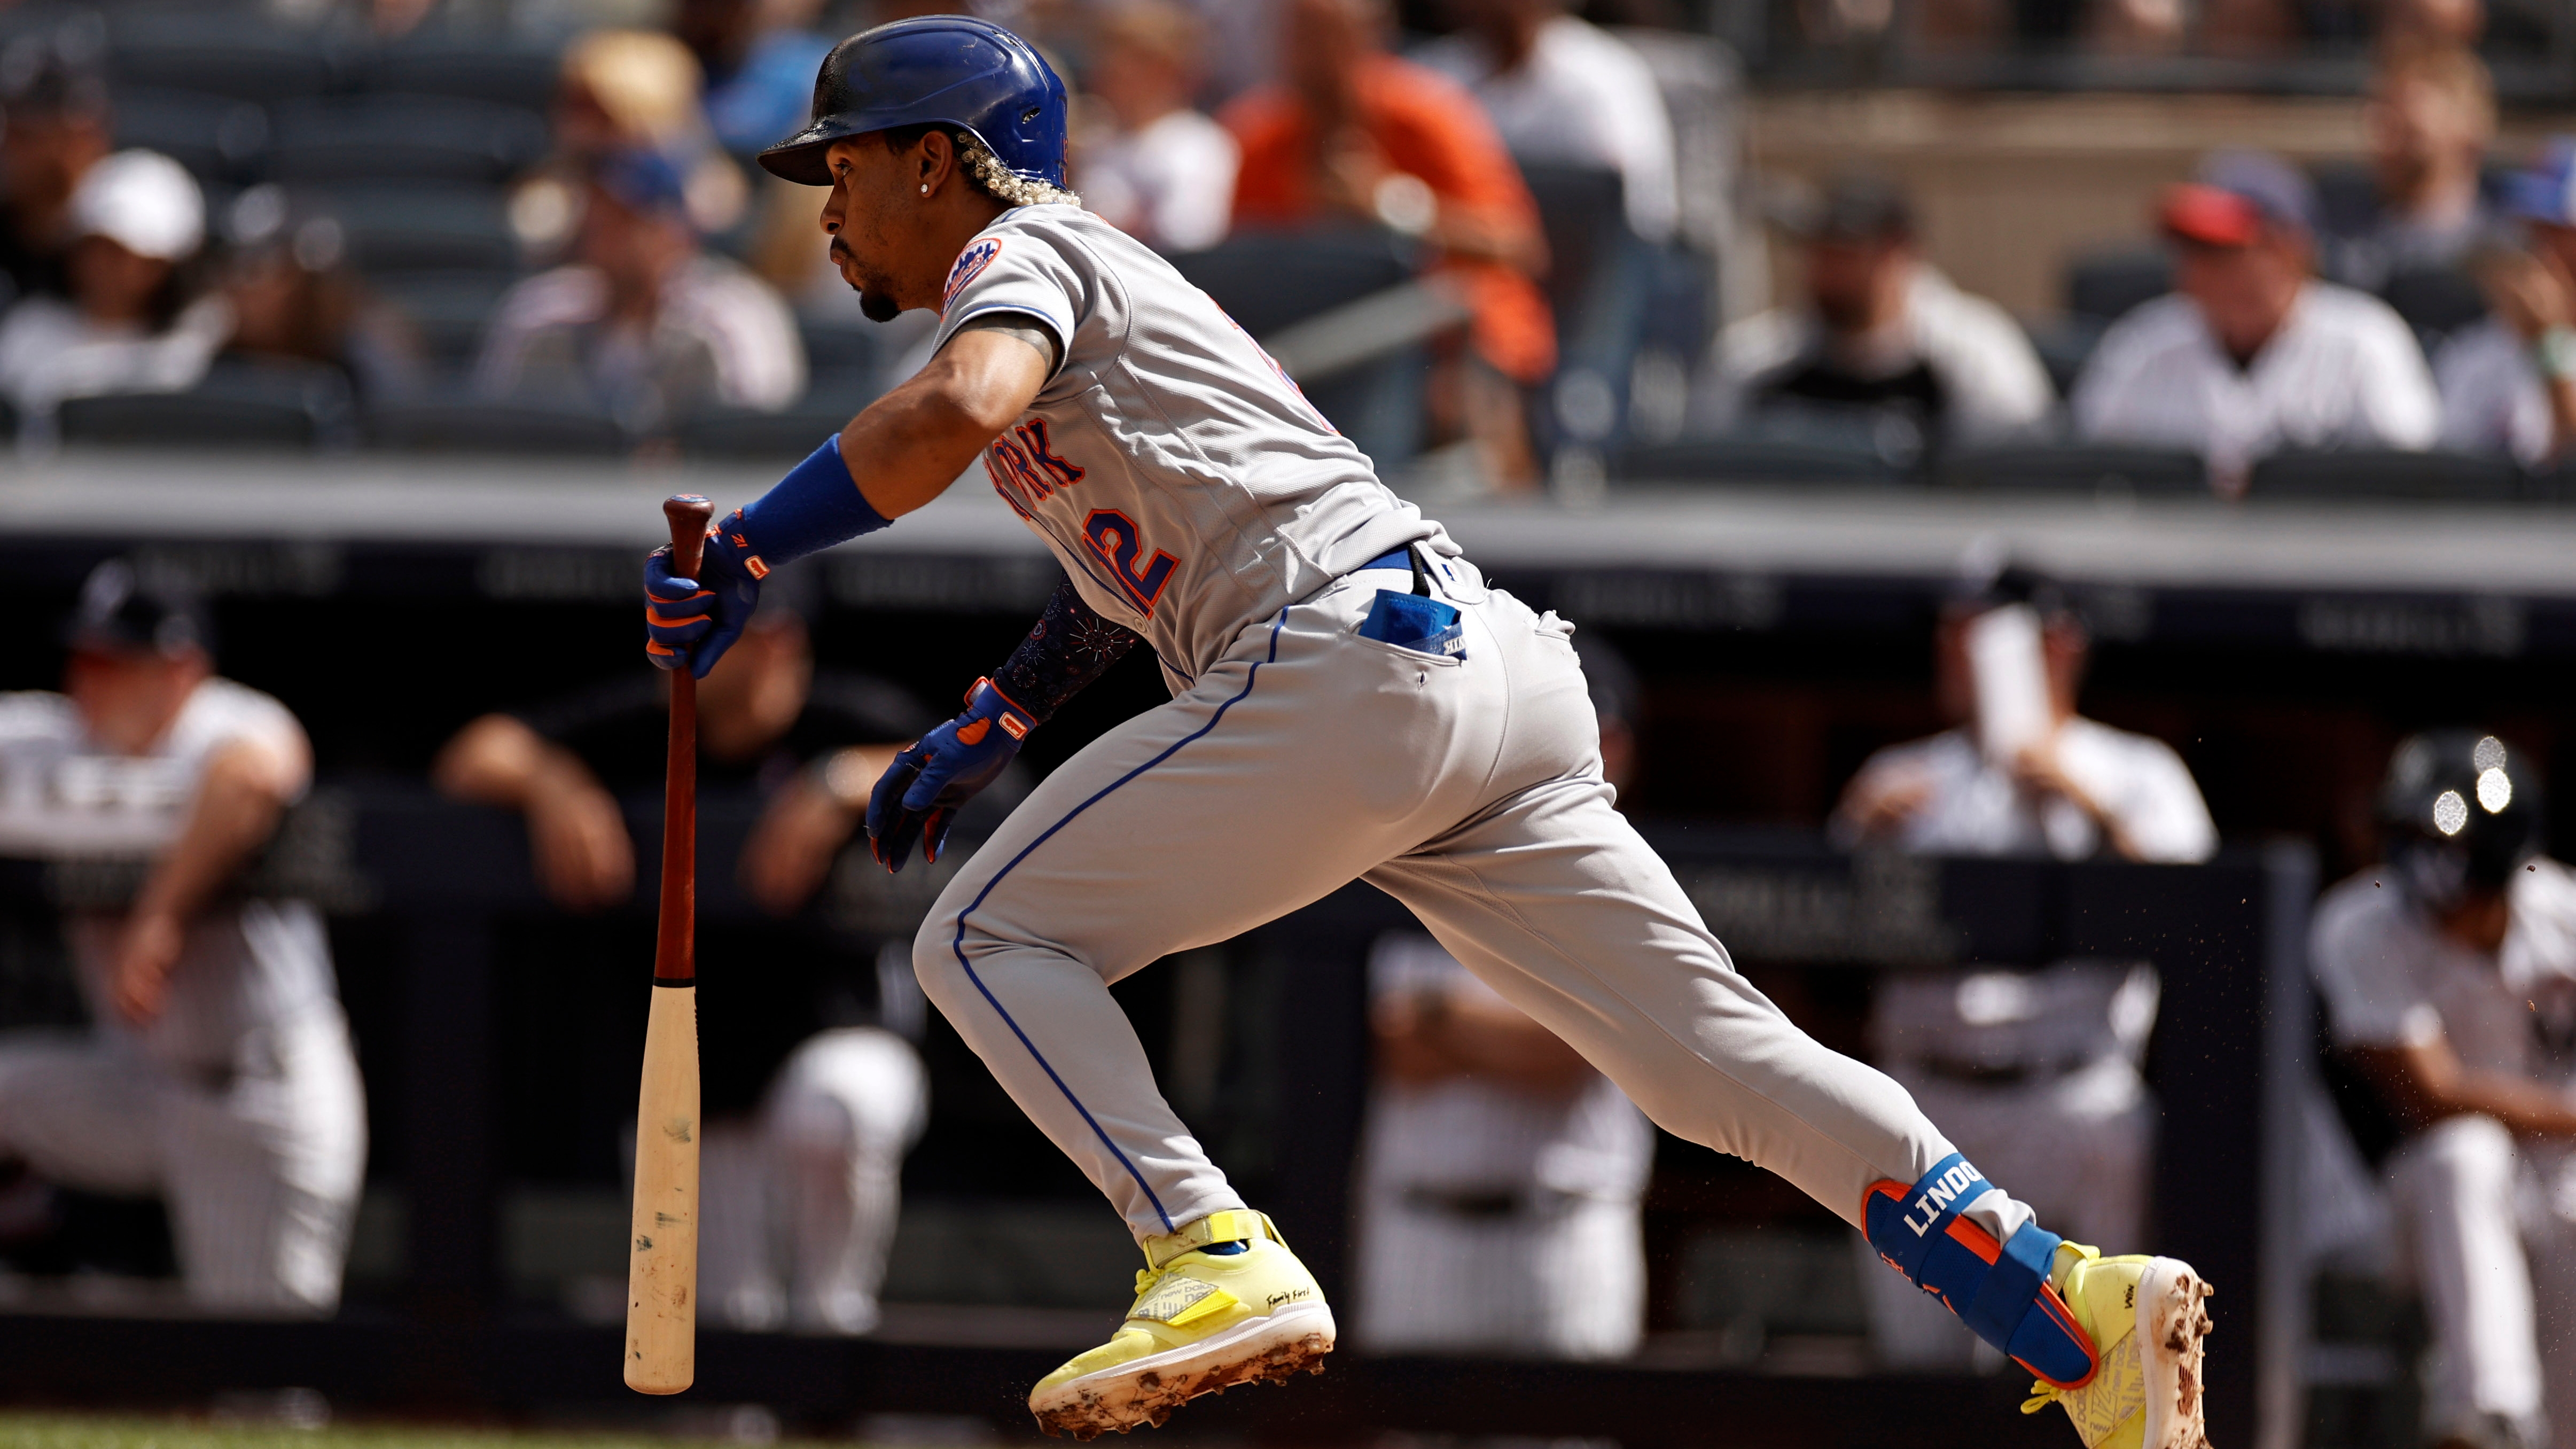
(878, 307)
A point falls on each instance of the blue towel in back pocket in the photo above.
(1412, 621)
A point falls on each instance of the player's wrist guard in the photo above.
(814, 507)
(2000, 1290)
(1070, 646)
(932, 778)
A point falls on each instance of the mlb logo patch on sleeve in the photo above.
(970, 265)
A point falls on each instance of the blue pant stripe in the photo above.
(958, 945)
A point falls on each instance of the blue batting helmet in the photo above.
(953, 70)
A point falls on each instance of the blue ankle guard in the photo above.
(1999, 1290)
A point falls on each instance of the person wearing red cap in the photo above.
(2251, 354)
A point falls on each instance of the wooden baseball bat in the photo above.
(662, 1274)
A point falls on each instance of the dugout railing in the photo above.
(425, 896)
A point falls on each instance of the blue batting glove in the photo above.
(696, 620)
(923, 789)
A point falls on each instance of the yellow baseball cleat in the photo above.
(1202, 1323)
(2146, 1320)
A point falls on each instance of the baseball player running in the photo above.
(1350, 699)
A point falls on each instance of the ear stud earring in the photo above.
(925, 188)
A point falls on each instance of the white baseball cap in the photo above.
(144, 202)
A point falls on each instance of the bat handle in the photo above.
(675, 955)
(688, 514)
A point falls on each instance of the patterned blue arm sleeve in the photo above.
(1071, 646)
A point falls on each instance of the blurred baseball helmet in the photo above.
(2462, 812)
(952, 70)
(121, 613)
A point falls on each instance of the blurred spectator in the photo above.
(294, 298)
(623, 91)
(2431, 22)
(2432, 115)
(1356, 135)
(217, 1075)
(1565, 92)
(2449, 979)
(2250, 353)
(810, 1101)
(759, 58)
(54, 126)
(1500, 1175)
(2035, 1068)
(1884, 331)
(2078, 790)
(2509, 382)
(643, 324)
(1153, 166)
(2112, 27)
(136, 220)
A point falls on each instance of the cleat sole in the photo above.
(1115, 1400)
(2173, 1328)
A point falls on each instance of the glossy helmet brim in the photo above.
(803, 157)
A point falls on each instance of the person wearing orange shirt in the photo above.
(1353, 133)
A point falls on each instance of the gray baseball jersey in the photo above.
(1185, 482)
(240, 1101)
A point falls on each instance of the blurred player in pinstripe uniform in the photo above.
(1500, 1175)
(217, 1074)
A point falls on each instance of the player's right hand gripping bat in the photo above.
(662, 1274)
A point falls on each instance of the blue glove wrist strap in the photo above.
(985, 700)
(815, 506)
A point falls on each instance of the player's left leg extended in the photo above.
(1551, 897)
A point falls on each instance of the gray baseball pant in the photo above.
(1467, 787)
(261, 1174)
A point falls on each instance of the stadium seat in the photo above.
(1605, 286)
(1581, 209)
(381, 137)
(2064, 345)
(493, 427)
(420, 226)
(1796, 447)
(228, 54)
(839, 345)
(2553, 483)
(503, 73)
(784, 436)
(2347, 196)
(2104, 285)
(216, 137)
(448, 309)
(237, 405)
(1267, 281)
(2076, 468)
(2435, 301)
(2386, 474)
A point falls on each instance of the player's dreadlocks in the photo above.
(984, 171)
(1000, 182)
